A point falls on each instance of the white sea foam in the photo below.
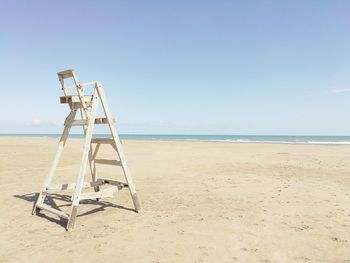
(337, 143)
(282, 142)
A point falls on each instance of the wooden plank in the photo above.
(103, 121)
(80, 90)
(83, 163)
(71, 186)
(74, 98)
(78, 105)
(66, 73)
(65, 90)
(122, 157)
(52, 210)
(113, 182)
(102, 193)
(76, 122)
(61, 144)
(76, 80)
(85, 122)
(93, 165)
(103, 140)
(72, 216)
(108, 162)
(56, 187)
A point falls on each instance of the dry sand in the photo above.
(202, 202)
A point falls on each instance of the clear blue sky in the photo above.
(201, 67)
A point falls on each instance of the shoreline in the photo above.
(77, 137)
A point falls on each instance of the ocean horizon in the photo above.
(281, 139)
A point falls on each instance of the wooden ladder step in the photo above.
(52, 210)
(102, 193)
(102, 121)
(102, 140)
(85, 122)
(56, 188)
(77, 123)
(105, 141)
(108, 162)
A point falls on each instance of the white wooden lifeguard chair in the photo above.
(87, 105)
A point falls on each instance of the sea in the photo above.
(281, 139)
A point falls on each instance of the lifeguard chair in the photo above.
(87, 105)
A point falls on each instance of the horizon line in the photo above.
(182, 134)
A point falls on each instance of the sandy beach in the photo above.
(202, 202)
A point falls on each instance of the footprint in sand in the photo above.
(304, 259)
(335, 239)
(204, 250)
(251, 250)
(181, 232)
(300, 228)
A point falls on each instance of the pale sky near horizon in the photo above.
(190, 67)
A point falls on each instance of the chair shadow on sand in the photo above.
(50, 200)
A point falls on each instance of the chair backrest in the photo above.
(67, 74)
